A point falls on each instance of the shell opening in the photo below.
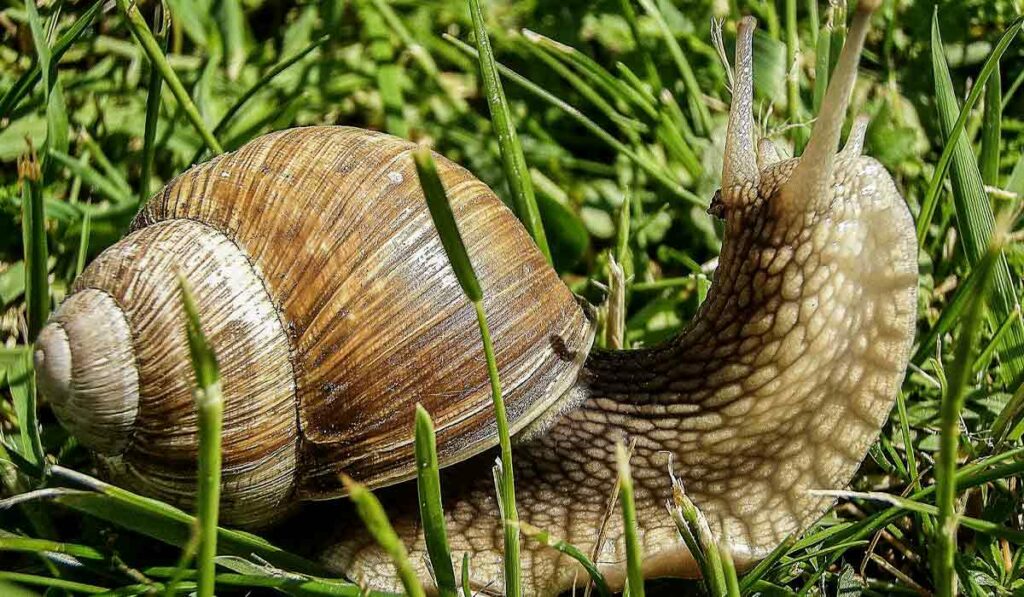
(85, 366)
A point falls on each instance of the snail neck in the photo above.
(778, 386)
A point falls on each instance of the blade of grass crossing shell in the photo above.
(152, 48)
(695, 97)
(56, 113)
(991, 129)
(657, 172)
(516, 173)
(634, 554)
(975, 219)
(376, 521)
(444, 221)
(162, 16)
(33, 229)
(210, 409)
(952, 404)
(544, 538)
(467, 591)
(428, 487)
(948, 108)
(29, 78)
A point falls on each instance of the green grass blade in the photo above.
(33, 230)
(163, 522)
(265, 80)
(93, 178)
(991, 129)
(544, 538)
(634, 29)
(18, 544)
(57, 136)
(664, 178)
(695, 97)
(431, 512)
(162, 16)
(693, 527)
(516, 172)
(389, 73)
(974, 213)
(376, 521)
(444, 221)
(732, 583)
(29, 78)
(467, 591)
(952, 404)
(22, 383)
(94, 151)
(83, 244)
(152, 48)
(420, 54)
(955, 144)
(51, 583)
(634, 555)
(822, 52)
(746, 584)
(210, 408)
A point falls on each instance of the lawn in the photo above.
(607, 139)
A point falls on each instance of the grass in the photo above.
(597, 102)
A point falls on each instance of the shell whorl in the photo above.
(137, 279)
(86, 366)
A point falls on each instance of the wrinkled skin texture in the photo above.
(779, 386)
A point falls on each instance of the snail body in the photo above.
(312, 248)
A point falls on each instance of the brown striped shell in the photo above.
(328, 299)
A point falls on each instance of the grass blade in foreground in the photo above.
(210, 406)
(949, 440)
(163, 18)
(33, 230)
(376, 521)
(634, 556)
(428, 486)
(516, 172)
(975, 219)
(444, 221)
(152, 48)
(544, 538)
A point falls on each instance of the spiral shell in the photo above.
(330, 304)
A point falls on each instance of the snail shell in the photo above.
(324, 290)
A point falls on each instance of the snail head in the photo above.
(824, 192)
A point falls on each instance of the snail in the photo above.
(326, 294)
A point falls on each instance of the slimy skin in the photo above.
(778, 387)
